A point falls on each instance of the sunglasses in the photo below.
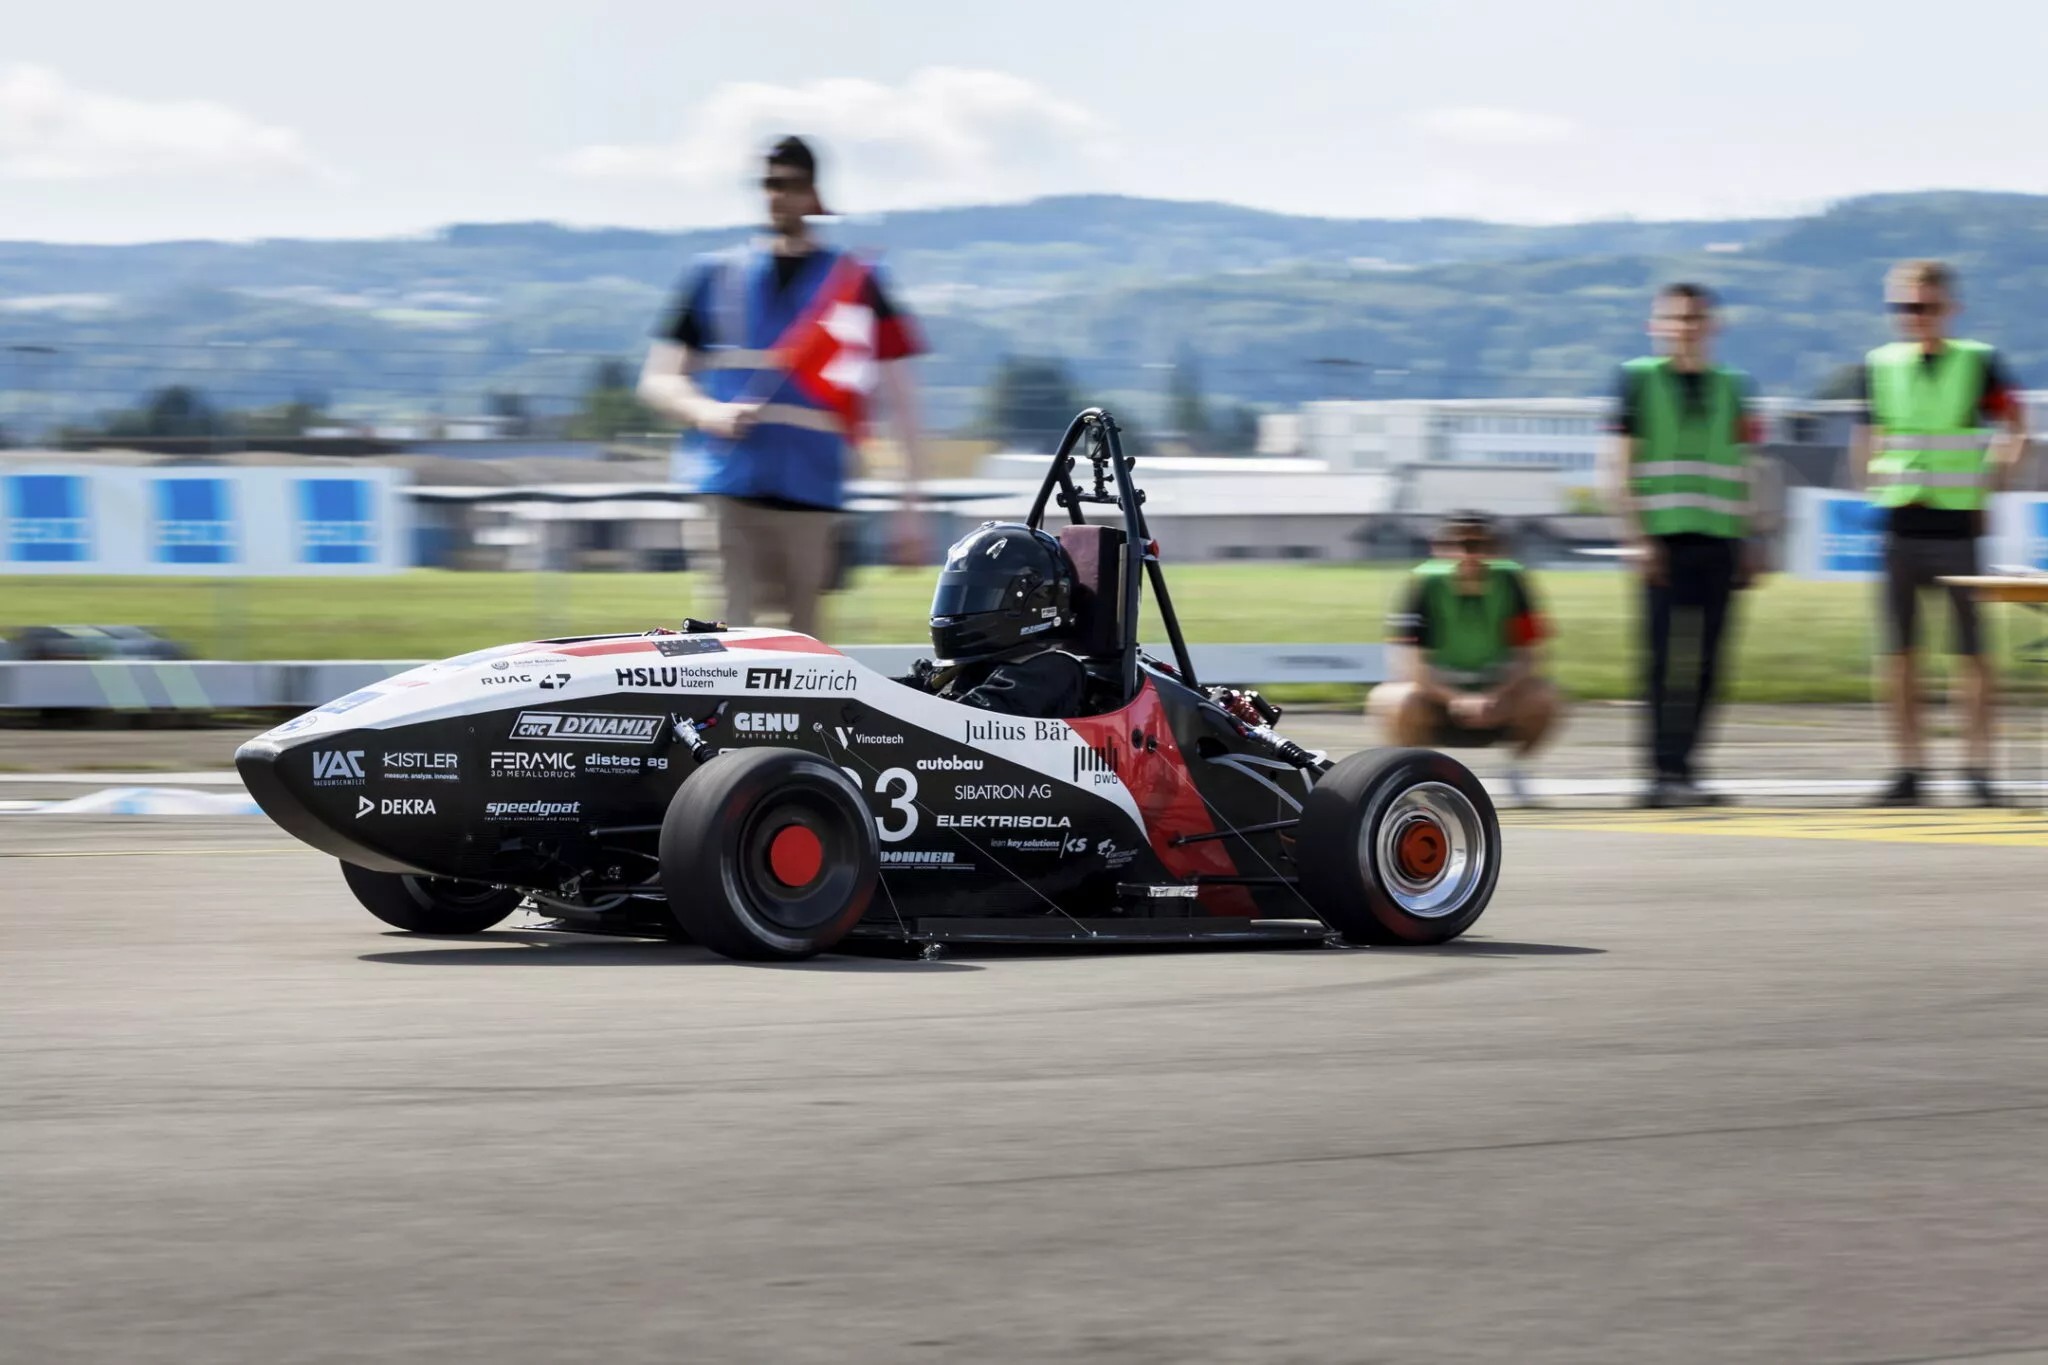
(1914, 308)
(772, 183)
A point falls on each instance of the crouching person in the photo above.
(1469, 672)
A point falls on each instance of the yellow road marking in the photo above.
(1996, 828)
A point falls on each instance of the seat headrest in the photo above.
(1097, 552)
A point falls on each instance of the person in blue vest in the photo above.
(777, 459)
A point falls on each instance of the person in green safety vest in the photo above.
(1470, 629)
(1679, 477)
(1942, 429)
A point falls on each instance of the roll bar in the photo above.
(1113, 486)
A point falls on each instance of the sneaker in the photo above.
(1696, 795)
(1981, 790)
(1663, 793)
(1904, 790)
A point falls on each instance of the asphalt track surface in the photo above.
(1726, 1098)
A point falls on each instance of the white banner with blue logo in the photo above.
(84, 519)
(1832, 534)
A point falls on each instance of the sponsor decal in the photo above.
(351, 701)
(1002, 791)
(532, 763)
(1077, 843)
(1035, 629)
(553, 681)
(629, 764)
(949, 764)
(950, 821)
(337, 767)
(995, 729)
(1051, 731)
(504, 679)
(771, 679)
(779, 723)
(419, 766)
(1096, 765)
(941, 860)
(533, 661)
(1113, 854)
(682, 677)
(297, 723)
(532, 810)
(675, 646)
(849, 738)
(395, 805)
(587, 727)
(501, 664)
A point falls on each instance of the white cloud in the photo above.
(1482, 126)
(946, 135)
(53, 130)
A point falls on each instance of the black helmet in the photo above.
(1005, 588)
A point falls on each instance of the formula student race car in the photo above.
(760, 793)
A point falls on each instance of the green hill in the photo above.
(1264, 302)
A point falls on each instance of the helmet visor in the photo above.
(962, 596)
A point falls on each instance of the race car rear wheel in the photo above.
(429, 905)
(1398, 846)
(768, 854)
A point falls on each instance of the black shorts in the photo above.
(1913, 563)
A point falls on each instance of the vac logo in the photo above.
(593, 728)
(337, 767)
(765, 722)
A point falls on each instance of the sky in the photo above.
(124, 121)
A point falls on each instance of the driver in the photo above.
(1004, 605)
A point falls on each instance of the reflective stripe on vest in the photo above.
(1690, 474)
(1928, 448)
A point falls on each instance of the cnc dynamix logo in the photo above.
(594, 728)
(48, 519)
(336, 521)
(194, 522)
(1851, 536)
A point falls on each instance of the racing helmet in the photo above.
(1006, 590)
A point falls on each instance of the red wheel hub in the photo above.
(1421, 850)
(795, 855)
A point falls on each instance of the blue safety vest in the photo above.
(797, 449)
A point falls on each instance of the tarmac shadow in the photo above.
(535, 948)
(1490, 947)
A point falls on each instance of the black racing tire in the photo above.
(1398, 846)
(430, 905)
(768, 855)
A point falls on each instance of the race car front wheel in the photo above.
(1398, 846)
(429, 905)
(768, 854)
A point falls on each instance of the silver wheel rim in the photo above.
(1430, 851)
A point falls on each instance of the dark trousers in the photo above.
(1685, 618)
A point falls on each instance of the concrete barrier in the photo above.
(301, 684)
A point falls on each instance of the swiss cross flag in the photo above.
(829, 352)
